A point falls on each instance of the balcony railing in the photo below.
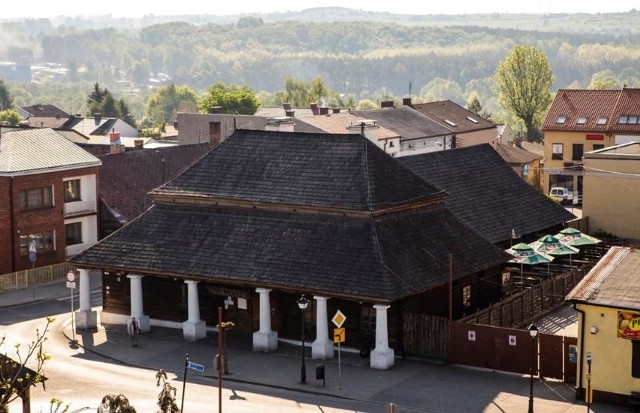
(79, 207)
(72, 250)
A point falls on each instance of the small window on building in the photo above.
(623, 119)
(391, 145)
(561, 119)
(72, 190)
(578, 151)
(367, 319)
(35, 198)
(448, 122)
(602, 120)
(635, 359)
(73, 233)
(597, 146)
(633, 119)
(466, 296)
(472, 119)
(581, 120)
(41, 241)
(557, 151)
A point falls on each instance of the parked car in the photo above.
(561, 194)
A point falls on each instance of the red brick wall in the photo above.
(33, 221)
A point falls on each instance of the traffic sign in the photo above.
(338, 335)
(71, 276)
(71, 285)
(338, 319)
(195, 366)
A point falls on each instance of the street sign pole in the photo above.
(71, 284)
(184, 380)
(338, 320)
(339, 369)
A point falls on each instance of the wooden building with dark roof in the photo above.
(267, 216)
(487, 194)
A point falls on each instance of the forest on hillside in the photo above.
(373, 59)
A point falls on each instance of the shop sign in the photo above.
(629, 325)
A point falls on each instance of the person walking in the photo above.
(133, 329)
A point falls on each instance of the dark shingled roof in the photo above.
(360, 253)
(406, 121)
(486, 193)
(126, 178)
(383, 258)
(313, 170)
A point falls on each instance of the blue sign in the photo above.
(32, 257)
(195, 366)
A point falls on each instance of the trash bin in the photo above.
(320, 372)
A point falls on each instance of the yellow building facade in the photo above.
(608, 303)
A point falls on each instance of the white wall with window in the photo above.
(79, 194)
(80, 234)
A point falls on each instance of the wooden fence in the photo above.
(40, 275)
(520, 308)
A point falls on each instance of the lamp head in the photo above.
(303, 302)
(533, 330)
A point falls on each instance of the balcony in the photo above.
(79, 207)
(72, 250)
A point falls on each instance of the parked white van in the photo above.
(562, 195)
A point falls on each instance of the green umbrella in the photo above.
(573, 237)
(525, 254)
(552, 246)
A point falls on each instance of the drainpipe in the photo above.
(579, 394)
(13, 229)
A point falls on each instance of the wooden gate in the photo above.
(551, 356)
(426, 336)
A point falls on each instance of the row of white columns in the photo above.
(265, 339)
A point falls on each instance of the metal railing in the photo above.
(23, 279)
(72, 250)
(79, 207)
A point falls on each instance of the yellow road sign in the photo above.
(338, 335)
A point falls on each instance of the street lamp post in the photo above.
(533, 331)
(303, 302)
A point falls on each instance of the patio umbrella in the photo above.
(525, 254)
(551, 245)
(573, 237)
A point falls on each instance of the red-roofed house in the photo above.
(581, 121)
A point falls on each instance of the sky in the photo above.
(137, 8)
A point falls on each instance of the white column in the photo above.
(137, 305)
(85, 317)
(382, 357)
(321, 348)
(193, 329)
(265, 339)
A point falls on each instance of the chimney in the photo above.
(314, 109)
(286, 106)
(289, 113)
(138, 144)
(336, 110)
(324, 110)
(97, 117)
(406, 101)
(215, 110)
(386, 104)
(114, 138)
(175, 124)
(518, 141)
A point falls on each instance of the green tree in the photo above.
(10, 116)
(474, 105)
(6, 100)
(233, 99)
(14, 380)
(164, 105)
(300, 93)
(524, 81)
(442, 89)
(167, 395)
(603, 80)
(125, 113)
(115, 403)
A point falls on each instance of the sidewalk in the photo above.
(415, 386)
